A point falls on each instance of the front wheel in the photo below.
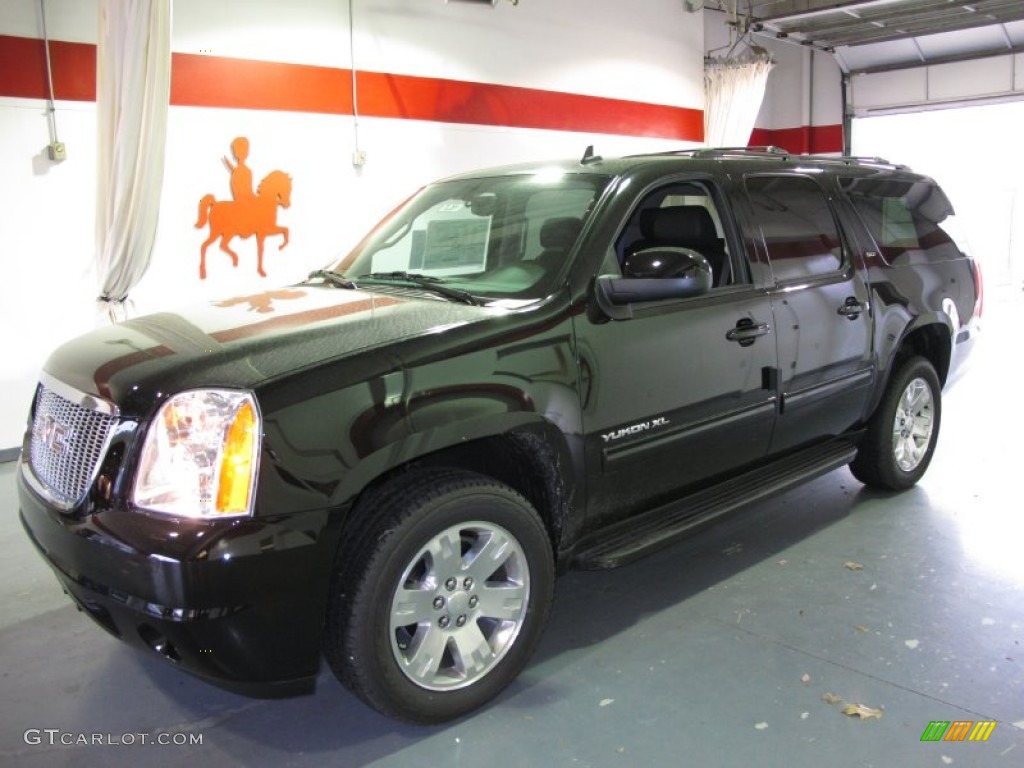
(440, 599)
(903, 431)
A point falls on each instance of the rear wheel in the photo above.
(903, 431)
(441, 598)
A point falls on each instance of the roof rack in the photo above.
(778, 153)
(860, 160)
(762, 151)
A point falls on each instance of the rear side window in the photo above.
(906, 218)
(797, 225)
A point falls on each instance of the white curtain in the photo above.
(133, 82)
(733, 92)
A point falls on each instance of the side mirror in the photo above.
(654, 274)
(669, 264)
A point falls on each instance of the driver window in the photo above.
(681, 215)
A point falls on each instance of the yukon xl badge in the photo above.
(635, 429)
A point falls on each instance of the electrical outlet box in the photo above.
(58, 151)
(359, 158)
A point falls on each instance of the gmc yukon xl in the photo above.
(518, 371)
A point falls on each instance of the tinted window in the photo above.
(797, 224)
(681, 215)
(904, 218)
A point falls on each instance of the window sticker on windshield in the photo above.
(456, 243)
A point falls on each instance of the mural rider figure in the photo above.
(241, 174)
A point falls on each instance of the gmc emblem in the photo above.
(53, 434)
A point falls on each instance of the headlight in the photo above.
(200, 455)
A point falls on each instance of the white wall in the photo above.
(645, 51)
(70, 20)
(804, 89)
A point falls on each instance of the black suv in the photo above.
(518, 371)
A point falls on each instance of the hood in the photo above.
(242, 341)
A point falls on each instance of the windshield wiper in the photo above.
(412, 277)
(334, 278)
(429, 282)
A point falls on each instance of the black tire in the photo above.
(900, 440)
(417, 672)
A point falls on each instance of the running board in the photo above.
(642, 534)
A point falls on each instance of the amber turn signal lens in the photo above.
(236, 470)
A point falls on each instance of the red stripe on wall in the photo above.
(213, 81)
(210, 81)
(454, 101)
(806, 139)
(23, 69)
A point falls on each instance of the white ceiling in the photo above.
(876, 35)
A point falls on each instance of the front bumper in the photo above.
(239, 603)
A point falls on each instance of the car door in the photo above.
(679, 392)
(820, 305)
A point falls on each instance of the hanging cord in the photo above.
(739, 34)
(51, 111)
(357, 153)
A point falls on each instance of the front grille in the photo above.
(68, 442)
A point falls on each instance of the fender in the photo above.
(890, 342)
(322, 451)
(890, 345)
(421, 445)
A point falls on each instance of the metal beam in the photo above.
(904, 31)
(949, 59)
(840, 29)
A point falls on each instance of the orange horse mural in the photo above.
(246, 215)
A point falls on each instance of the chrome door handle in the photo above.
(852, 308)
(747, 331)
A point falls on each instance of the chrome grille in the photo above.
(68, 442)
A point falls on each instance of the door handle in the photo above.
(852, 308)
(747, 331)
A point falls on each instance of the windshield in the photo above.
(502, 237)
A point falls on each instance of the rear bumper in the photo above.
(237, 603)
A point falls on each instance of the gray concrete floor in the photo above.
(717, 652)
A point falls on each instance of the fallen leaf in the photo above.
(761, 726)
(862, 628)
(862, 711)
(783, 562)
(605, 702)
(831, 698)
(852, 566)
